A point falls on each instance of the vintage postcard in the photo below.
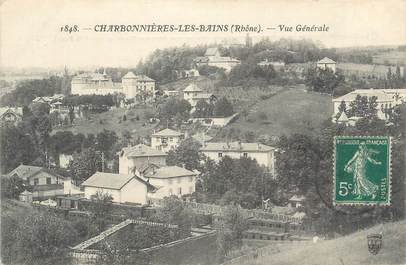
(215, 132)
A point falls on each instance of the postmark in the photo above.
(362, 168)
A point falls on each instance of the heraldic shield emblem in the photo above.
(374, 243)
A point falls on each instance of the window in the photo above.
(245, 154)
(48, 181)
(36, 181)
(220, 154)
(180, 191)
(170, 139)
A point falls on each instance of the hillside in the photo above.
(351, 249)
(136, 122)
(292, 110)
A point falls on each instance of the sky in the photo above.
(30, 30)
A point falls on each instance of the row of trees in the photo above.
(28, 90)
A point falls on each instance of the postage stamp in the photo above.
(362, 167)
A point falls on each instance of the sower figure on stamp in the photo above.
(357, 166)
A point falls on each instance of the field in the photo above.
(135, 123)
(293, 110)
(351, 249)
(392, 57)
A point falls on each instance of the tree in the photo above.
(173, 107)
(186, 155)
(173, 212)
(223, 108)
(323, 80)
(230, 231)
(36, 238)
(100, 208)
(12, 187)
(203, 109)
(16, 148)
(84, 165)
(363, 106)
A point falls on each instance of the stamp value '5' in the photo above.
(362, 170)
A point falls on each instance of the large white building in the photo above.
(263, 154)
(132, 158)
(132, 86)
(386, 98)
(212, 57)
(122, 187)
(166, 139)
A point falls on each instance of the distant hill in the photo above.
(347, 250)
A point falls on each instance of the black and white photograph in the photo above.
(202, 132)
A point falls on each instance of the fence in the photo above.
(249, 258)
(205, 208)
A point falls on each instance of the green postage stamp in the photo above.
(362, 168)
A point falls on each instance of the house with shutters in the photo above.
(263, 154)
(133, 157)
(192, 94)
(166, 139)
(169, 180)
(45, 183)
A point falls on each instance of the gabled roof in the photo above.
(236, 146)
(25, 172)
(343, 117)
(111, 180)
(192, 88)
(171, 172)
(17, 111)
(326, 60)
(129, 75)
(141, 150)
(167, 132)
(381, 94)
(297, 198)
(211, 51)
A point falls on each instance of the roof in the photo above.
(237, 146)
(167, 132)
(111, 180)
(201, 59)
(343, 117)
(202, 137)
(18, 111)
(326, 60)
(129, 75)
(192, 88)
(141, 150)
(171, 172)
(381, 94)
(211, 51)
(297, 198)
(24, 171)
(203, 96)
